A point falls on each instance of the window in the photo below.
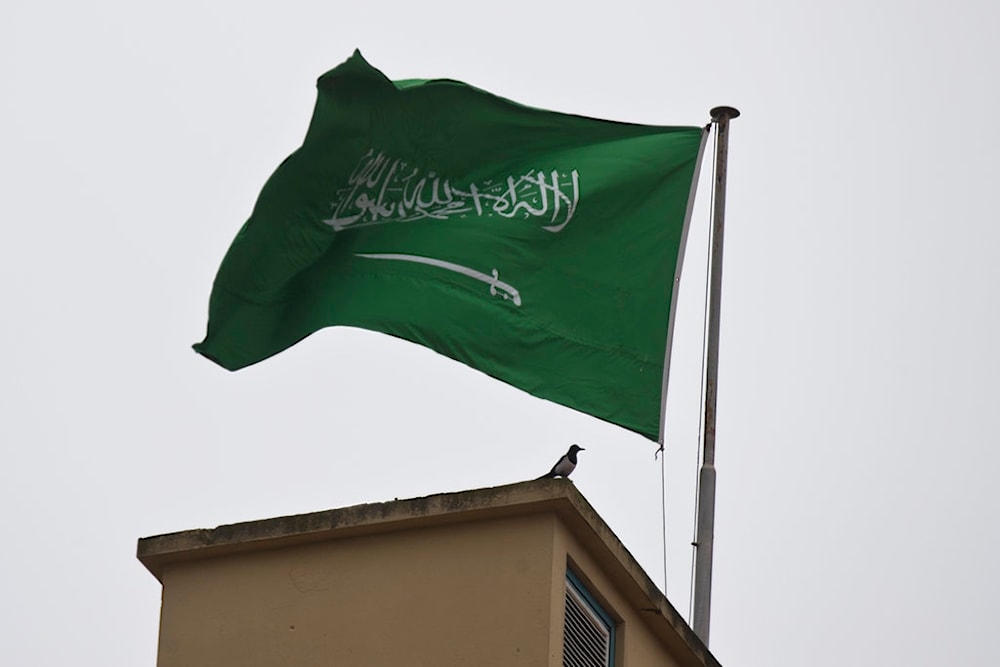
(589, 633)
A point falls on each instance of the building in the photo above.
(525, 574)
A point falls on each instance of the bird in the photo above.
(565, 465)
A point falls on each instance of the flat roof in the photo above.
(556, 496)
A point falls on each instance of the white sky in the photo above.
(858, 415)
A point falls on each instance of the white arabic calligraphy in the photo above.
(497, 286)
(383, 190)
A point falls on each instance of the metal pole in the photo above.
(705, 539)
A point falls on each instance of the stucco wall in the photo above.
(636, 643)
(471, 594)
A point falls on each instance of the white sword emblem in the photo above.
(497, 286)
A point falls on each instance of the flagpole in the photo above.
(705, 538)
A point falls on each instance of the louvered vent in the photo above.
(587, 637)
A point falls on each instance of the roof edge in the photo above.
(558, 496)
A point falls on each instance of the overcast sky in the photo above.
(858, 417)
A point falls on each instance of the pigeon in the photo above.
(565, 465)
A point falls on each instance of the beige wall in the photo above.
(471, 594)
(636, 643)
(470, 579)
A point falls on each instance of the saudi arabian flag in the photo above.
(540, 248)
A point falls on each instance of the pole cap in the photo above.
(724, 112)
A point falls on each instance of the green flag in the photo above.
(540, 248)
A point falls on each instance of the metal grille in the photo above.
(586, 637)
